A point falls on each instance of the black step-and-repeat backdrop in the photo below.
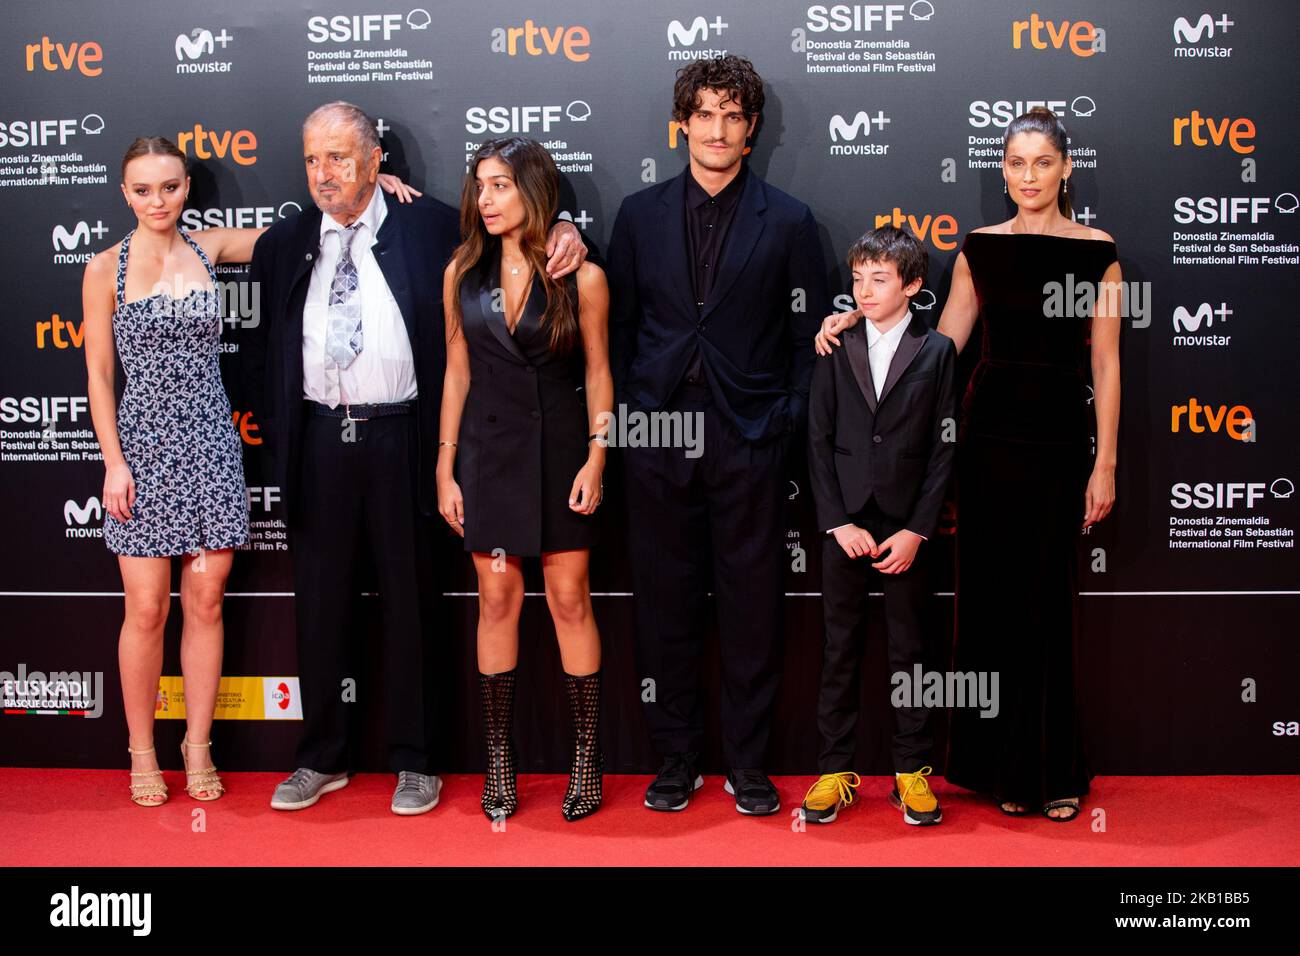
(1182, 124)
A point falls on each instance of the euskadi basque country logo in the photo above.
(52, 693)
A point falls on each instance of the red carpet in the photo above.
(73, 817)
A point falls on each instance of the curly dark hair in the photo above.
(730, 72)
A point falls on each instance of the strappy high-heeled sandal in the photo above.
(207, 781)
(139, 791)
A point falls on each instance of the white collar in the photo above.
(893, 336)
(372, 217)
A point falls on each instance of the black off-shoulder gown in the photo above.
(1022, 466)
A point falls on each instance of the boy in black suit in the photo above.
(880, 445)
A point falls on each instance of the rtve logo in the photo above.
(1185, 32)
(573, 42)
(51, 56)
(247, 428)
(679, 35)
(841, 129)
(364, 27)
(208, 144)
(939, 229)
(1083, 38)
(1236, 421)
(1185, 321)
(56, 327)
(199, 43)
(522, 119)
(1235, 132)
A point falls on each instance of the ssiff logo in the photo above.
(364, 27)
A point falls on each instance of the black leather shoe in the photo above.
(677, 780)
(754, 793)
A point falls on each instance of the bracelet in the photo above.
(603, 438)
(451, 443)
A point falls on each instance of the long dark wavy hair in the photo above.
(538, 182)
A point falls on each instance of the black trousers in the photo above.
(846, 583)
(721, 512)
(354, 494)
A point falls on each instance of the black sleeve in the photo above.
(924, 519)
(807, 272)
(624, 306)
(822, 408)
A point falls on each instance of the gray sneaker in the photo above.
(415, 793)
(305, 787)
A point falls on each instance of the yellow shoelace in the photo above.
(917, 783)
(842, 785)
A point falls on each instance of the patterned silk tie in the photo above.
(343, 331)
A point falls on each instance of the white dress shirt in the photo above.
(385, 369)
(881, 347)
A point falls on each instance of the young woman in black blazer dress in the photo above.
(527, 397)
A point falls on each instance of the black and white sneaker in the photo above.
(677, 780)
(754, 793)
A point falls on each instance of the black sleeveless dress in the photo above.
(523, 433)
(1022, 466)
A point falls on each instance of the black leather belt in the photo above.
(361, 413)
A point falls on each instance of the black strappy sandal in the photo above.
(1012, 813)
(1071, 804)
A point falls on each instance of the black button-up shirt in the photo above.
(708, 221)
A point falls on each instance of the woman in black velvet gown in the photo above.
(1027, 481)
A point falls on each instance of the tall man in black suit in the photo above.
(717, 283)
(344, 371)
